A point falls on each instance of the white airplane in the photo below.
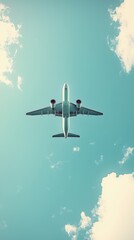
(65, 109)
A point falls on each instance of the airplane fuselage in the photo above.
(65, 109)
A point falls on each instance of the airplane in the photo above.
(65, 109)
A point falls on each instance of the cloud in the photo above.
(3, 225)
(52, 162)
(115, 209)
(76, 149)
(55, 165)
(71, 230)
(74, 230)
(9, 37)
(113, 216)
(92, 143)
(85, 221)
(64, 210)
(123, 43)
(127, 153)
(100, 160)
(19, 83)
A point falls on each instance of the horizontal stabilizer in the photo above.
(72, 135)
(69, 135)
(59, 135)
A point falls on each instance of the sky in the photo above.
(67, 188)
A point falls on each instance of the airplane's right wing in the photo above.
(47, 110)
(82, 110)
(73, 110)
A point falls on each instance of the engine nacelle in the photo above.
(52, 103)
(78, 103)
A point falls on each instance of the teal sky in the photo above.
(44, 183)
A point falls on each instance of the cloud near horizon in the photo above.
(123, 43)
(9, 36)
(114, 211)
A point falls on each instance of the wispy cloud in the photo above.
(74, 230)
(19, 83)
(123, 43)
(49, 156)
(100, 160)
(65, 210)
(71, 230)
(9, 36)
(54, 164)
(3, 225)
(127, 153)
(76, 149)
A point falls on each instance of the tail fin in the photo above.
(69, 135)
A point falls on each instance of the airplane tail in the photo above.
(59, 135)
(69, 135)
(73, 135)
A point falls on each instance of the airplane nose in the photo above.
(65, 85)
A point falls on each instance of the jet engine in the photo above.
(78, 103)
(52, 103)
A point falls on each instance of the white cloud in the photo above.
(85, 221)
(9, 36)
(19, 83)
(84, 224)
(76, 149)
(123, 44)
(113, 215)
(71, 230)
(115, 209)
(127, 153)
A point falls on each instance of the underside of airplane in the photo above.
(65, 109)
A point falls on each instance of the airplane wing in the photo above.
(58, 110)
(87, 111)
(48, 110)
(73, 110)
(84, 111)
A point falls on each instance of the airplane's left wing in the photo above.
(47, 110)
(57, 111)
(87, 111)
